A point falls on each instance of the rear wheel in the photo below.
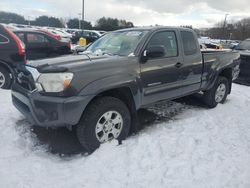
(106, 118)
(218, 93)
(5, 79)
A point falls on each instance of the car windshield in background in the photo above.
(121, 43)
(244, 45)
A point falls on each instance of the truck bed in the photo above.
(223, 57)
(215, 60)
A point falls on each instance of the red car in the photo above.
(42, 44)
(12, 54)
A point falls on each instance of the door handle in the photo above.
(178, 65)
(154, 84)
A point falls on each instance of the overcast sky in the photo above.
(140, 12)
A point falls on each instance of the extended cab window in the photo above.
(189, 43)
(3, 39)
(166, 39)
(36, 38)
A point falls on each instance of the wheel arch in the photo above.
(227, 73)
(6, 66)
(126, 95)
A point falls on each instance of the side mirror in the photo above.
(153, 52)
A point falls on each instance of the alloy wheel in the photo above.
(109, 126)
(220, 93)
(2, 79)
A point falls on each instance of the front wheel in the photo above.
(218, 93)
(5, 79)
(105, 119)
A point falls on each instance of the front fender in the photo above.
(114, 82)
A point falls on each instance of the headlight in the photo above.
(54, 82)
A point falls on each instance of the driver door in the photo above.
(161, 77)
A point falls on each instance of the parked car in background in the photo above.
(53, 35)
(12, 53)
(206, 42)
(62, 34)
(101, 90)
(9, 26)
(218, 43)
(41, 44)
(69, 35)
(244, 49)
(229, 44)
(100, 33)
(90, 36)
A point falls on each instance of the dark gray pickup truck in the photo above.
(101, 90)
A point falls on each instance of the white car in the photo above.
(60, 33)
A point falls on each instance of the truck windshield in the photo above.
(244, 45)
(122, 43)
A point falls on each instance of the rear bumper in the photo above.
(46, 111)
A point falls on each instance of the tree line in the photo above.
(239, 30)
(106, 24)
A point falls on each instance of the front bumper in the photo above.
(46, 111)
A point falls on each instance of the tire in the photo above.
(215, 95)
(92, 129)
(5, 79)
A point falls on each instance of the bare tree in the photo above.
(239, 30)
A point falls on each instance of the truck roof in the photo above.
(154, 28)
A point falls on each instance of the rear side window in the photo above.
(3, 39)
(36, 38)
(189, 43)
(166, 39)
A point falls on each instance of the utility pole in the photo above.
(29, 18)
(224, 25)
(225, 21)
(82, 40)
(80, 20)
(230, 37)
(82, 15)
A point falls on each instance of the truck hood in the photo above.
(64, 63)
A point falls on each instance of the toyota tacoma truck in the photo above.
(100, 91)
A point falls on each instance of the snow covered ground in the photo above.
(193, 147)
